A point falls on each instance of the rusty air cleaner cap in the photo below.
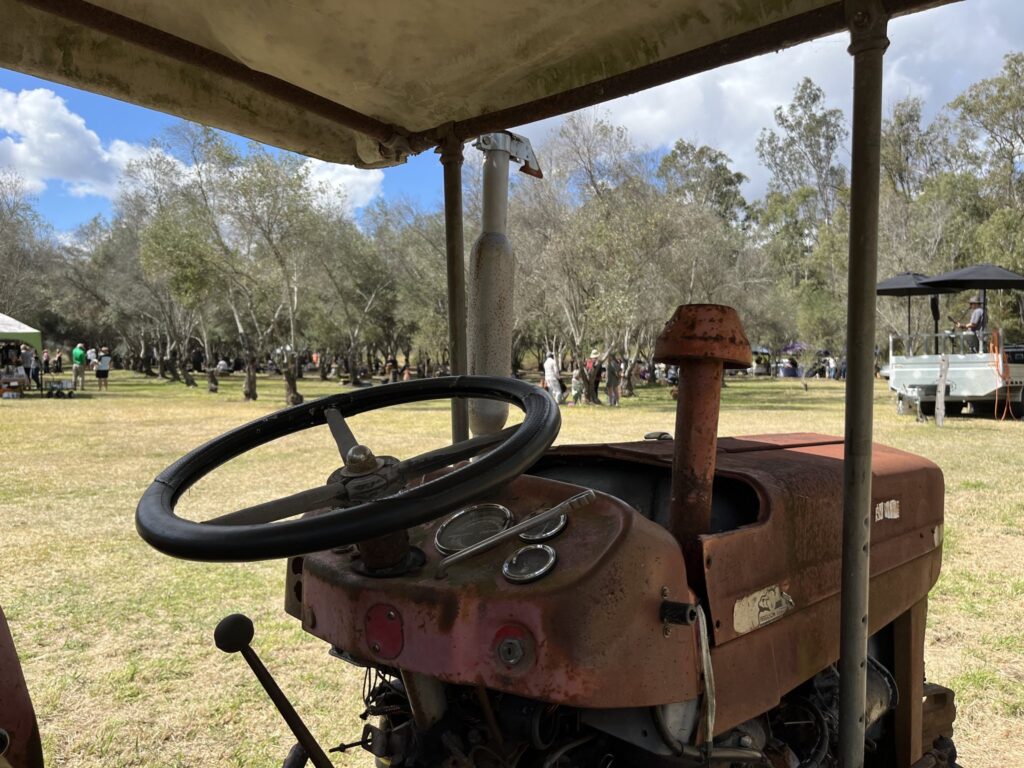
(704, 331)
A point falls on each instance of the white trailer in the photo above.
(982, 371)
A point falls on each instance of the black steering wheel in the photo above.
(358, 502)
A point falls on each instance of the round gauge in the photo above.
(529, 563)
(470, 526)
(546, 530)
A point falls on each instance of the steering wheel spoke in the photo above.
(341, 432)
(451, 454)
(330, 495)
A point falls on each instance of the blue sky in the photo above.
(70, 146)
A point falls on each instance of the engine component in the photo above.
(658, 730)
(804, 728)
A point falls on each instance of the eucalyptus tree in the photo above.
(28, 263)
(702, 176)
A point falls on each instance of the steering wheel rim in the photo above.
(159, 526)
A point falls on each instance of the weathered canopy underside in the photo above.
(368, 83)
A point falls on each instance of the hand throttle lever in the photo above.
(233, 634)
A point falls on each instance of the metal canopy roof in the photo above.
(370, 83)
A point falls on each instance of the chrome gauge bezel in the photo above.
(462, 513)
(553, 528)
(528, 576)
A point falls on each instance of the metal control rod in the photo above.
(867, 20)
(571, 504)
(233, 635)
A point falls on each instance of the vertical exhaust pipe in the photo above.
(703, 340)
(492, 273)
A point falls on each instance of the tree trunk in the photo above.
(353, 367)
(212, 385)
(189, 379)
(325, 369)
(291, 392)
(249, 387)
(146, 363)
(170, 366)
(627, 378)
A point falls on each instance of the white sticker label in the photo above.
(760, 608)
(887, 510)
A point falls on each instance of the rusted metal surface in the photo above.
(17, 716)
(587, 634)
(793, 552)
(755, 671)
(385, 551)
(797, 543)
(704, 331)
(702, 339)
(908, 671)
(938, 713)
(383, 630)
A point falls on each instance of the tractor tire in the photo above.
(955, 409)
(928, 407)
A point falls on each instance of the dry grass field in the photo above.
(116, 639)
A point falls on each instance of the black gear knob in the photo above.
(233, 633)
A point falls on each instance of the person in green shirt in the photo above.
(78, 366)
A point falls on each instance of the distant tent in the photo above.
(12, 330)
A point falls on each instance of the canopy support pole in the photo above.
(867, 21)
(455, 250)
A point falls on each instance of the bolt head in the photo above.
(666, 630)
(375, 647)
(664, 592)
(360, 459)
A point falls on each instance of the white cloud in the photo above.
(357, 186)
(935, 55)
(44, 141)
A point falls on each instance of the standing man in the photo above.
(103, 363)
(976, 324)
(31, 364)
(78, 366)
(613, 371)
(551, 377)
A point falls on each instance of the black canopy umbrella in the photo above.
(912, 284)
(980, 276)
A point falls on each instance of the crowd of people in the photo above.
(34, 366)
(608, 368)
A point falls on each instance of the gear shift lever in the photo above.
(233, 634)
